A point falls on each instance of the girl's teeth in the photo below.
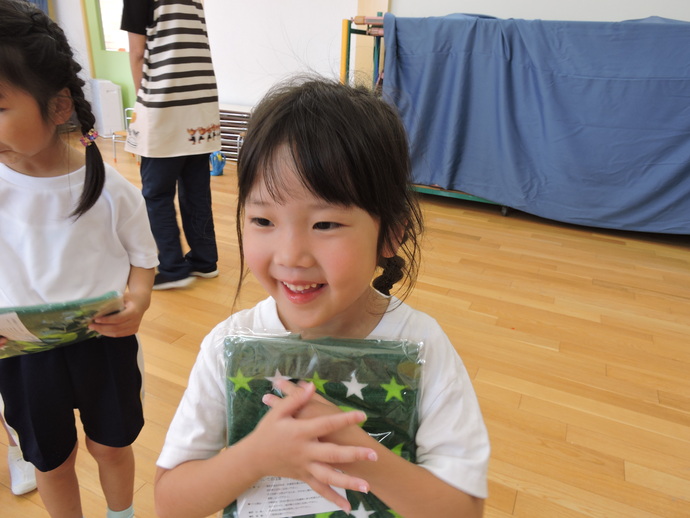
(299, 287)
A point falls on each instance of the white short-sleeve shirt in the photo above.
(452, 441)
(49, 256)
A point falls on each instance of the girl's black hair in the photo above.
(350, 148)
(35, 57)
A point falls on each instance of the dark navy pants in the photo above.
(101, 377)
(190, 177)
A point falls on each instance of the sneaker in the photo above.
(161, 282)
(22, 473)
(205, 275)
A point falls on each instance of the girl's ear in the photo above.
(61, 107)
(397, 236)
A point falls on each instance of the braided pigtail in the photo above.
(95, 168)
(393, 271)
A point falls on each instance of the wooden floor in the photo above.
(577, 339)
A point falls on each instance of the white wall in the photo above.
(579, 10)
(68, 14)
(260, 42)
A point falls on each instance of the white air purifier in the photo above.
(107, 107)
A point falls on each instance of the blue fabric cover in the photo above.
(580, 122)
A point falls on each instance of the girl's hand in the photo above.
(316, 406)
(3, 341)
(292, 447)
(319, 406)
(137, 300)
(123, 323)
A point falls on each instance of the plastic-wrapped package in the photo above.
(379, 377)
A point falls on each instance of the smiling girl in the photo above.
(328, 225)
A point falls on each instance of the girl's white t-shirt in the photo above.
(49, 256)
(452, 440)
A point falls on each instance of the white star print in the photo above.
(354, 387)
(361, 512)
(276, 377)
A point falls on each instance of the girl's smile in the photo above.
(299, 287)
(302, 293)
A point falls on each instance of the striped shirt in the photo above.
(176, 112)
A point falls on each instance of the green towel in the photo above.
(379, 377)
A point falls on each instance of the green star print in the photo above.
(240, 381)
(320, 384)
(393, 390)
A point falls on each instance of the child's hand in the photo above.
(3, 341)
(290, 447)
(123, 323)
(319, 406)
(137, 300)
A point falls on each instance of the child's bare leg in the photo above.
(59, 489)
(116, 472)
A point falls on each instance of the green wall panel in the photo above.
(108, 64)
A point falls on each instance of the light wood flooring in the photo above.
(577, 339)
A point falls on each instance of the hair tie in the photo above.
(88, 138)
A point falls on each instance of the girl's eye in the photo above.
(326, 225)
(261, 222)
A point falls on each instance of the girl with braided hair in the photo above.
(328, 224)
(70, 228)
